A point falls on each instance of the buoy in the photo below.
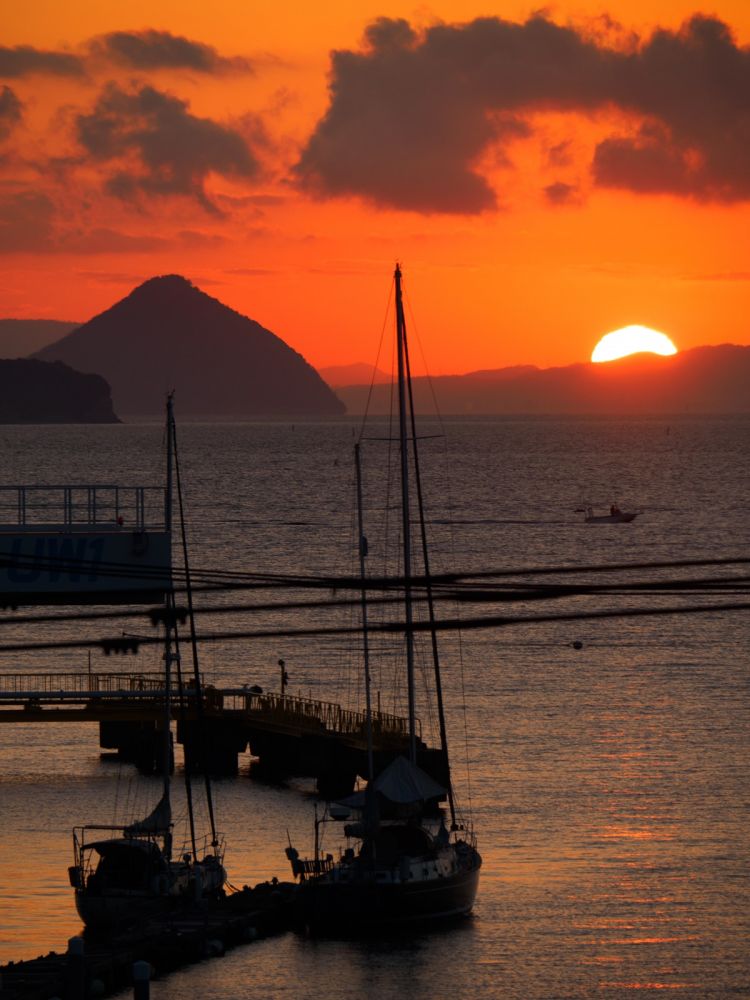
(578, 644)
(141, 980)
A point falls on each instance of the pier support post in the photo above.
(75, 978)
(141, 981)
(139, 743)
(212, 747)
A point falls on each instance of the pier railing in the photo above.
(71, 685)
(330, 715)
(289, 710)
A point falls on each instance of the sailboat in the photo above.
(122, 874)
(405, 862)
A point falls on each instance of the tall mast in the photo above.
(405, 514)
(168, 604)
(365, 640)
(170, 460)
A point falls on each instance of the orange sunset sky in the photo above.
(544, 178)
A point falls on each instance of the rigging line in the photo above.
(117, 793)
(83, 566)
(551, 591)
(452, 532)
(428, 590)
(389, 486)
(193, 639)
(671, 588)
(405, 513)
(218, 609)
(443, 433)
(236, 580)
(67, 563)
(442, 625)
(375, 366)
(362, 551)
(182, 703)
(428, 375)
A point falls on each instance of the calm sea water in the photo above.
(608, 784)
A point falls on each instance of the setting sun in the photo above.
(632, 340)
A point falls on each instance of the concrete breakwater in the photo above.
(103, 965)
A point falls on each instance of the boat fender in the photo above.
(74, 874)
(405, 870)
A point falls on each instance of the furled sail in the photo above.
(404, 782)
(401, 783)
(158, 820)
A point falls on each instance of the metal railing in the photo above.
(327, 715)
(290, 710)
(79, 684)
(78, 507)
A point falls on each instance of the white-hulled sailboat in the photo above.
(404, 863)
(122, 874)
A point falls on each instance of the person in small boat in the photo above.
(614, 510)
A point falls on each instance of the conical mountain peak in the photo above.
(168, 334)
(164, 284)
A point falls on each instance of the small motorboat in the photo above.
(615, 516)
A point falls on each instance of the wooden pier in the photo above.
(290, 735)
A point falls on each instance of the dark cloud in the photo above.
(193, 239)
(560, 193)
(693, 88)
(23, 60)
(150, 50)
(114, 277)
(560, 155)
(411, 115)
(105, 240)
(252, 272)
(31, 223)
(11, 111)
(26, 222)
(157, 147)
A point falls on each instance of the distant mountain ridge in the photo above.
(169, 335)
(359, 373)
(700, 380)
(21, 337)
